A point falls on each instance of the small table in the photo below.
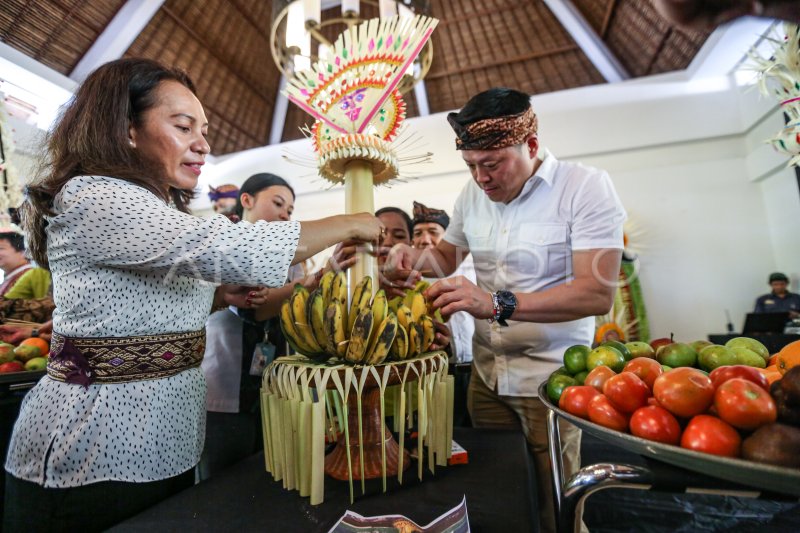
(498, 484)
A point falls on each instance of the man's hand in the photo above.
(460, 294)
(14, 334)
(399, 266)
(442, 338)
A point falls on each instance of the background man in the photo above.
(223, 200)
(780, 300)
(546, 238)
(429, 228)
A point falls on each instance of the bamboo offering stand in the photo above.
(307, 400)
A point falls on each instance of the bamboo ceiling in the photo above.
(224, 45)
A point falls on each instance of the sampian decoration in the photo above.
(303, 404)
(779, 75)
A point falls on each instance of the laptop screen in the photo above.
(765, 323)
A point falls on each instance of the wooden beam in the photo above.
(607, 19)
(503, 61)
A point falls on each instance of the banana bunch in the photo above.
(321, 325)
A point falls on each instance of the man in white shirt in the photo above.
(546, 238)
(429, 228)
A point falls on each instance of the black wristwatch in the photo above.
(504, 305)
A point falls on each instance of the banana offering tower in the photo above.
(356, 348)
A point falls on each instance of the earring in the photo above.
(133, 144)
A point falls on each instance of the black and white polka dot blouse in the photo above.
(125, 263)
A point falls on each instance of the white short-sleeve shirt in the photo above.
(526, 246)
(124, 263)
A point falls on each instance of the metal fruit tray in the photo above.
(761, 476)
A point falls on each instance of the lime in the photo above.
(560, 372)
(626, 353)
(605, 355)
(580, 377)
(556, 385)
(575, 358)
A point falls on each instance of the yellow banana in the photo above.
(359, 336)
(428, 332)
(316, 317)
(335, 334)
(298, 303)
(326, 288)
(361, 297)
(404, 317)
(418, 306)
(339, 288)
(415, 335)
(380, 309)
(399, 349)
(383, 339)
(296, 341)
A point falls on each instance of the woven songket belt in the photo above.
(84, 361)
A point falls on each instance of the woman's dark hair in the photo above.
(397, 210)
(496, 102)
(16, 240)
(257, 183)
(91, 137)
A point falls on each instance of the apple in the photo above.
(640, 349)
(663, 341)
(6, 352)
(37, 363)
(26, 352)
(750, 344)
(11, 366)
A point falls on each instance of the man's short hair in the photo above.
(778, 276)
(494, 119)
(16, 240)
(406, 218)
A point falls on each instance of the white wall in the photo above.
(711, 209)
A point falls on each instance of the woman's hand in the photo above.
(14, 334)
(344, 256)
(365, 227)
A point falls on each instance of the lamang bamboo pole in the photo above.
(360, 198)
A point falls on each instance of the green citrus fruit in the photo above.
(580, 377)
(626, 353)
(575, 358)
(556, 385)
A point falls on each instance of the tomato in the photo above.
(575, 400)
(626, 391)
(655, 423)
(684, 391)
(722, 374)
(603, 413)
(598, 376)
(709, 434)
(744, 405)
(647, 369)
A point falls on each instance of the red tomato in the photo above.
(656, 423)
(598, 376)
(723, 373)
(709, 434)
(653, 401)
(575, 400)
(744, 405)
(644, 367)
(626, 391)
(684, 391)
(603, 413)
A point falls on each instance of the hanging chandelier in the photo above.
(305, 30)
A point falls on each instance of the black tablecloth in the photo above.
(498, 484)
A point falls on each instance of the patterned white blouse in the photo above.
(125, 263)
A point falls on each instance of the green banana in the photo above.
(359, 336)
(383, 339)
(394, 303)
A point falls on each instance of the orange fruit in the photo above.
(771, 373)
(788, 357)
(40, 343)
(773, 360)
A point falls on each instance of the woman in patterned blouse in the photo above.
(118, 423)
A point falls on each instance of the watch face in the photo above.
(507, 298)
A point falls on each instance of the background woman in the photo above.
(118, 422)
